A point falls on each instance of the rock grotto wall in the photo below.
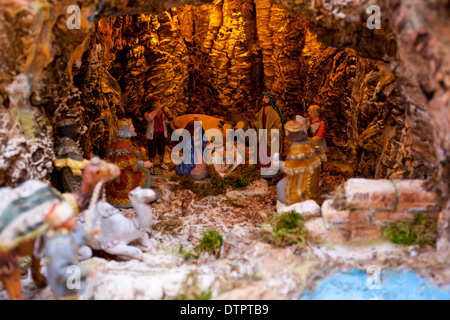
(386, 95)
(35, 42)
(217, 59)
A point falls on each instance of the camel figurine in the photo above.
(22, 220)
(117, 231)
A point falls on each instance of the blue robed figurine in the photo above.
(62, 241)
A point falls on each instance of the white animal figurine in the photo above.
(117, 231)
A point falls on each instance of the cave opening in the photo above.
(217, 60)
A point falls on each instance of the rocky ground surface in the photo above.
(247, 267)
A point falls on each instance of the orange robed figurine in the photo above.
(317, 127)
(134, 173)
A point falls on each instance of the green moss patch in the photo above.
(285, 230)
(422, 231)
(205, 295)
(216, 185)
(211, 243)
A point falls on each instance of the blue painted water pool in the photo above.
(389, 285)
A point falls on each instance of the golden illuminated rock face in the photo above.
(218, 58)
(213, 59)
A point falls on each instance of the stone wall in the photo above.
(361, 208)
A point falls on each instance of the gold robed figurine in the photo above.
(302, 167)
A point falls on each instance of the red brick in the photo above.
(332, 216)
(384, 218)
(317, 232)
(360, 218)
(338, 236)
(367, 233)
(370, 194)
(412, 196)
(433, 215)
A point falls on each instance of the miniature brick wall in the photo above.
(361, 208)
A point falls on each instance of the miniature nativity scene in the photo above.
(224, 149)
